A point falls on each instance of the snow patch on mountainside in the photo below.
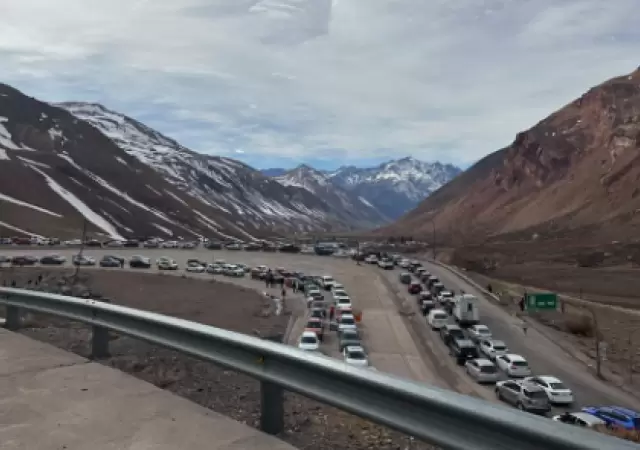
(80, 206)
(15, 201)
(20, 230)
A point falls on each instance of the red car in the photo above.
(415, 288)
(314, 324)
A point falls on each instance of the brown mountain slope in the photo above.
(577, 170)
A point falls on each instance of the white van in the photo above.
(438, 318)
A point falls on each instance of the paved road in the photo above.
(52, 399)
(544, 357)
(388, 341)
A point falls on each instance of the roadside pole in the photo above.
(84, 238)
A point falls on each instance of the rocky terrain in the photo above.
(574, 174)
(69, 163)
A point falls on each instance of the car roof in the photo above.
(309, 334)
(452, 326)
(480, 326)
(514, 357)
(354, 348)
(484, 362)
(314, 319)
(622, 410)
(548, 379)
(465, 342)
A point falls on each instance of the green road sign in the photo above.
(542, 300)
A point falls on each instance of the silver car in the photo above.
(524, 396)
(482, 370)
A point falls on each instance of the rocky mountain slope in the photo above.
(395, 187)
(62, 164)
(320, 185)
(392, 188)
(575, 173)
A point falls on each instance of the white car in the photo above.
(343, 303)
(581, 419)
(479, 332)
(371, 259)
(83, 260)
(385, 264)
(337, 293)
(355, 356)
(337, 287)
(169, 244)
(346, 322)
(309, 341)
(215, 269)
(327, 281)
(165, 263)
(493, 348)
(513, 365)
(556, 390)
(405, 263)
(445, 296)
(195, 268)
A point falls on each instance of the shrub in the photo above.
(580, 326)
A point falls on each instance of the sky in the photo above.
(327, 82)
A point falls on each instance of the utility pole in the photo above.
(598, 343)
(83, 239)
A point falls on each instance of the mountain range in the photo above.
(393, 188)
(573, 176)
(67, 164)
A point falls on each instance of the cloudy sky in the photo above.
(278, 82)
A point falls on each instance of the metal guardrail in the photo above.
(444, 418)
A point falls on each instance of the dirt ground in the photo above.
(309, 425)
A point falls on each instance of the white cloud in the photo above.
(316, 79)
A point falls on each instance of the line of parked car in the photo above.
(473, 345)
(327, 302)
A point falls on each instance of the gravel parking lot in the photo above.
(242, 308)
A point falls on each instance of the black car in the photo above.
(214, 245)
(111, 261)
(139, 262)
(451, 332)
(53, 260)
(348, 338)
(290, 248)
(93, 243)
(252, 247)
(463, 350)
(24, 260)
(131, 243)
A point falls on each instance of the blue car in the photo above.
(616, 416)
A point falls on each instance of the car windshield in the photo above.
(356, 354)
(483, 331)
(557, 386)
(488, 369)
(440, 316)
(340, 293)
(349, 335)
(499, 348)
(456, 333)
(636, 423)
(519, 363)
(536, 394)
(347, 321)
(344, 300)
(328, 279)
(469, 351)
(309, 340)
(314, 325)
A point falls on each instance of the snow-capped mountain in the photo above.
(392, 188)
(395, 187)
(321, 185)
(69, 163)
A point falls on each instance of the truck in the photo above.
(465, 310)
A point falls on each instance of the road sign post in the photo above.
(541, 301)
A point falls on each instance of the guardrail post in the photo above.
(271, 408)
(13, 320)
(100, 341)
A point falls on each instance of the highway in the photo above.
(544, 357)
